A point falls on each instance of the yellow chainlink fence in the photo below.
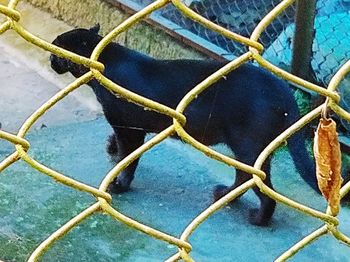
(103, 199)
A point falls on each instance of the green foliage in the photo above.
(303, 101)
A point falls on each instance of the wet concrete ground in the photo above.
(173, 185)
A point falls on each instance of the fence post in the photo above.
(303, 38)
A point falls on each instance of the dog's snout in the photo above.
(58, 64)
(52, 58)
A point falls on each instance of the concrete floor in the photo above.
(23, 91)
(173, 185)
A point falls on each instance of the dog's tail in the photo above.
(302, 159)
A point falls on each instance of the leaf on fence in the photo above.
(328, 163)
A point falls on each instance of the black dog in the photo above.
(245, 110)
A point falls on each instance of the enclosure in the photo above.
(54, 202)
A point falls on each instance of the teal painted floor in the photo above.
(173, 184)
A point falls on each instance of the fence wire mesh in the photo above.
(272, 19)
(242, 16)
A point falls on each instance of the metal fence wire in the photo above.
(270, 17)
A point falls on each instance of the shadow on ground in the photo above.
(172, 186)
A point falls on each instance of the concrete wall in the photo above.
(142, 36)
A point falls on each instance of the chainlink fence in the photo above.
(242, 16)
(270, 17)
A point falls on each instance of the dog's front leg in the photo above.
(121, 144)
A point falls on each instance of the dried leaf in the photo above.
(328, 163)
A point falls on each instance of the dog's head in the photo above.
(80, 41)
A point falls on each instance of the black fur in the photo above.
(245, 110)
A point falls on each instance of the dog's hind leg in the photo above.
(244, 152)
(121, 144)
(262, 216)
(222, 190)
(247, 152)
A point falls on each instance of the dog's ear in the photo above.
(95, 29)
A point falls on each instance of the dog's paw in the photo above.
(117, 188)
(220, 191)
(256, 218)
